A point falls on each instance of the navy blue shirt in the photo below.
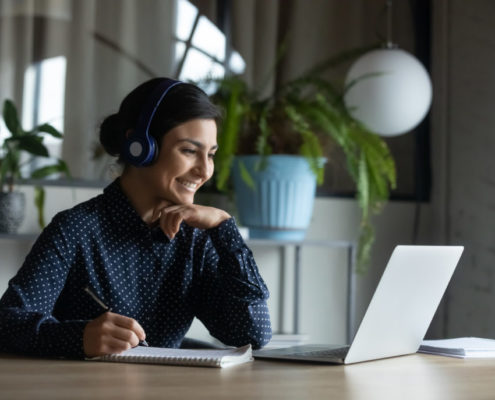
(138, 272)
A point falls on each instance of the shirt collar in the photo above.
(121, 210)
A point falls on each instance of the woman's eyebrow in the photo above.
(198, 144)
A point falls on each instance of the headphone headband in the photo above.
(140, 148)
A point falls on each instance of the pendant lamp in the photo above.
(389, 90)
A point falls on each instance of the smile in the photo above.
(187, 184)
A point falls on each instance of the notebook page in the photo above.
(207, 357)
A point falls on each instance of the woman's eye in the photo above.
(189, 151)
(211, 155)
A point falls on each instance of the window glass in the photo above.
(237, 64)
(198, 66)
(204, 56)
(186, 14)
(44, 97)
(209, 39)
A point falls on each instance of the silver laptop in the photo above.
(399, 313)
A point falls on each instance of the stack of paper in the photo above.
(466, 347)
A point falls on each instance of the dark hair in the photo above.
(182, 103)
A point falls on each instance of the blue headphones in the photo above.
(140, 148)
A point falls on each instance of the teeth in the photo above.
(190, 185)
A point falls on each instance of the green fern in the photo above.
(368, 160)
(308, 110)
(310, 147)
(246, 176)
(229, 132)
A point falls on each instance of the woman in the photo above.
(142, 247)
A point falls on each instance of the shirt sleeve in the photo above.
(27, 324)
(233, 297)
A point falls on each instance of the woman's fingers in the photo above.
(176, 219)
(195, 215)
(170, 220)
(157, 211)
(122, 334)
(129, 324)
(111, 333)
(112, 345)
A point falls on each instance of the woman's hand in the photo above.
(171, 216)
(111, 333)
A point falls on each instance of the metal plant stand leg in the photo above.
(350, 293)
(281, 295)
(297, 274)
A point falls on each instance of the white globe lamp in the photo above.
(389, 91)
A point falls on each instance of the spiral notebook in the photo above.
(220, 358)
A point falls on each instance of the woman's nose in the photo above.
(203, 167)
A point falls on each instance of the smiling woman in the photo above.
(184, 164)
(174, 136)
(143, 246)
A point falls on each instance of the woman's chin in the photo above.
(188, 199)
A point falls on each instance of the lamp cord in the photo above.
(389, 44)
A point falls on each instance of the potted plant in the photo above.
(302, 119)
(12, 203)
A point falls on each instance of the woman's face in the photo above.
(185, 161)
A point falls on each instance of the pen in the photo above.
(106, 308)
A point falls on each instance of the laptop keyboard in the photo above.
(339, 352)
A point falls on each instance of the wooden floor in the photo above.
(409, 377)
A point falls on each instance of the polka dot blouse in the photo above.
(138, 272)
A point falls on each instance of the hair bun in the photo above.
(112, 134)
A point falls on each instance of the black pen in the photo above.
(106, 308)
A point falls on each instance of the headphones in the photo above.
(140, 148)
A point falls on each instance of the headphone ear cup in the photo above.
(140, 147)
(138, 150)
(153, 151)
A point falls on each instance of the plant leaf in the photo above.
(11, 119)
(33, 145)
(64, 168)
(363, 187)
(3, 173)
(262, 146)
(311, 150)
(10, 165)
(229, 134)
(365, 243)
(47, 128)
(246, 176)
(39, 202)
(43, 172)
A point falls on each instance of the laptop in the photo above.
(399, 313)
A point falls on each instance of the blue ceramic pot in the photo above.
(281, 204)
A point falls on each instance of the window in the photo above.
(201, 48)
(43, 102)
(44, 97)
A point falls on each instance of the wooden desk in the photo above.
(410, 377)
